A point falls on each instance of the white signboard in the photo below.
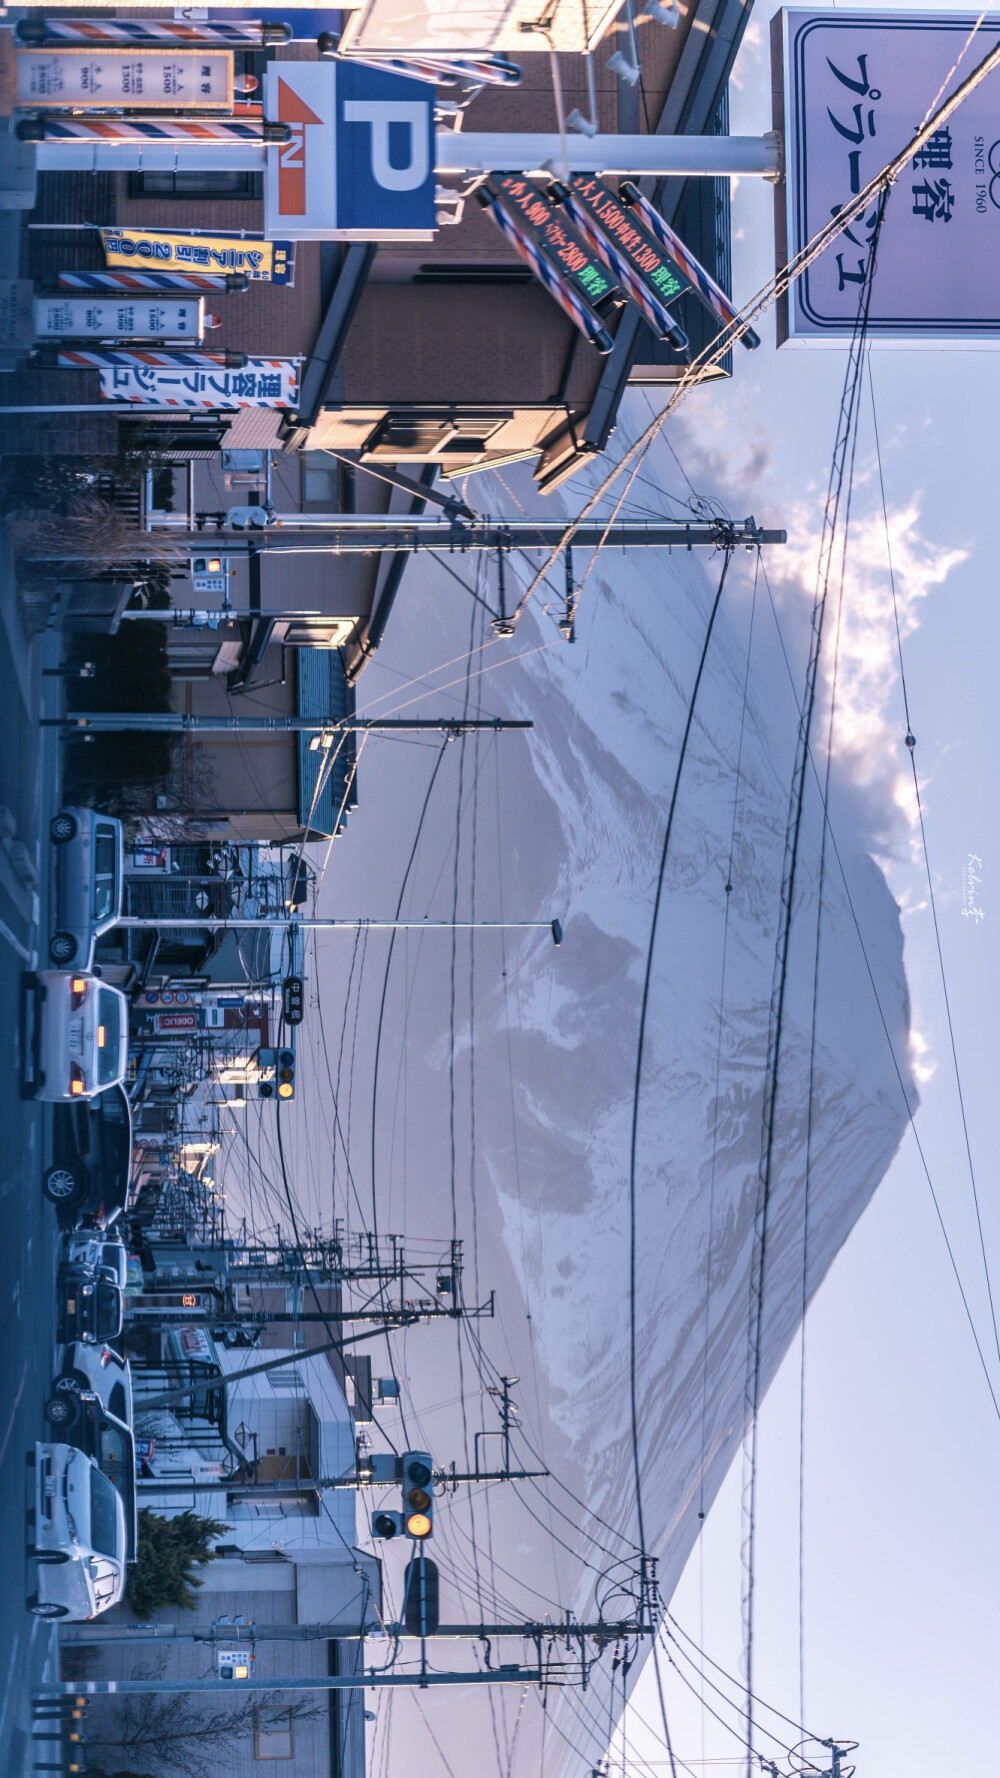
(360, 162)
(96, 79)
(856, 87)
(263, 382)
(130, 316)
(391, 27)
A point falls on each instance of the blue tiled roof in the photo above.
(323, 691)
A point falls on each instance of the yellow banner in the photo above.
(171, 250)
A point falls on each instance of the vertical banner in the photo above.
(702, 284)
(263, 382)
(134, 79)
(552, 280)
(177, 250)
(854, 86)
(556, 239)
(640, 267)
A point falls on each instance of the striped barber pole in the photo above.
(151, 281)
(71, 360)
(579, 312)
(702, 283)
(652, 310)
(446, 70)
(134, 129)
(254, 32)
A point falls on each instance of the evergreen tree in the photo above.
(168, 1551)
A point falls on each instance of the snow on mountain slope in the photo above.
(525, 1155)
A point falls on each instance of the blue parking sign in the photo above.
(359, 164)
(385, 152)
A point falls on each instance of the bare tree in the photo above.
(180, 1735)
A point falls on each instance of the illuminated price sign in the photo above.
(556, 238)
(642, 253)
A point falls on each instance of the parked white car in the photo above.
(89, 868)
(80, 1537)
(79, 1041)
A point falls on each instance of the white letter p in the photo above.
(380, 113)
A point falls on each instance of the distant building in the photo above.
(259, 1457)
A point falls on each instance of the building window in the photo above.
(272, 1734)
(208, 184)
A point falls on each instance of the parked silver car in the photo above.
(89, 870)
(80, 1545)
(79, 1035)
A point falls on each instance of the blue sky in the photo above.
(902, 1548)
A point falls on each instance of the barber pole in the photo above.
(121, 129)
(434, 69)
(650, 307)
(702, 283)
(73, 360)
(579, 312)
(253, 32)
(152, 281)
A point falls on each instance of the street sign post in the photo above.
(360, 162)
(854, 86)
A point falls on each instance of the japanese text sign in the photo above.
(360, 162)
(643, 254)
(132, 317)
(107, 79)
(857, 85)
(263, 382)
(556, 237)
(175, 250)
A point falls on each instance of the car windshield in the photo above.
(109, 1027)
(109, 1311)
(103, 1515)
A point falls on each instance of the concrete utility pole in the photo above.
(153, 923)
(334, 1682)
(370, 533)
(182, 722)
(602, 1631)
(707, 157)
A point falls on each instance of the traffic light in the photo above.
(266, 1058)
(284, 1074)
(385, 1524)
(418, 1495)
(421, 1611)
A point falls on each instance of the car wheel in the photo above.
(63, 828)
(62, 1410)
(70, 1385)
(63, 1185)
(46, 1609)
(62, 947)
(49, 1558)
